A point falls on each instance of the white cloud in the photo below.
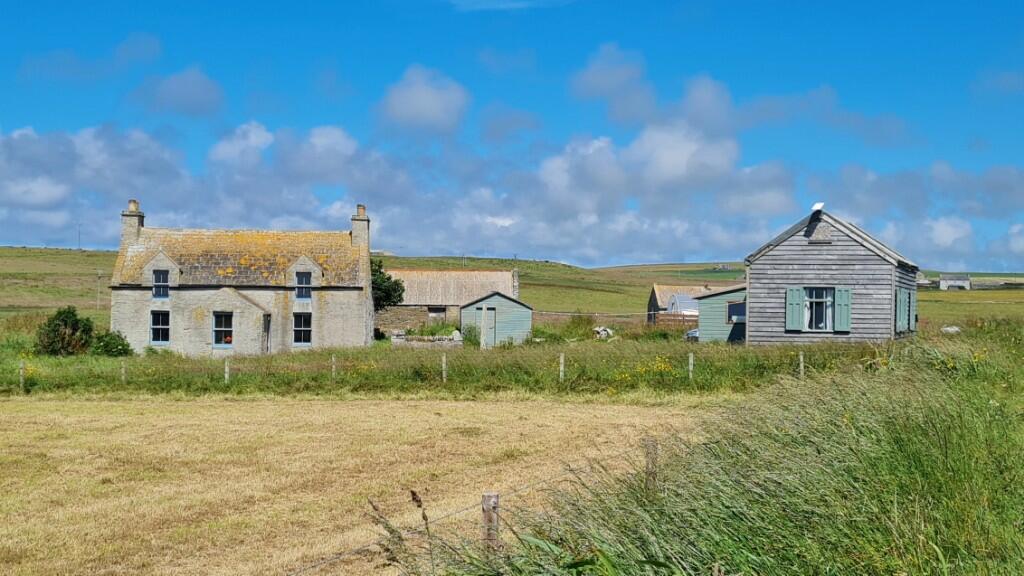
(618, 77)
(948, 231)
(66, 65)
(35, 191)
(1016, 239)
(189, 92)
(676, 154)
(243, 146)
(426, 100)
(503, 5)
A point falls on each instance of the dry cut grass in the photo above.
(220, 486)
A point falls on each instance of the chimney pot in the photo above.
(133, 205)
(361, 210)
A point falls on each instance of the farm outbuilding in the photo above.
(723, 314)
(438, 295)
(825, 279)
(954, 282)
(500, 318)
(660, 298)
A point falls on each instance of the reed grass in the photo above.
(908, 466)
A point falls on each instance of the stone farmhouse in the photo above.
(438, 295)
(228, 292)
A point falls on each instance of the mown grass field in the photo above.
(174, 471)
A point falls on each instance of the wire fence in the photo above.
(494, 508)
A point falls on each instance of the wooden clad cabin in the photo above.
(500, 318)
(723, 314)
(825, 279)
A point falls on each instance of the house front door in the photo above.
(265, 337)
(488, 326)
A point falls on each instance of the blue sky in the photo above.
(587, 131)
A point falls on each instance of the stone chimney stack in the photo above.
(515, 283)
(132, 221)
(360, 227)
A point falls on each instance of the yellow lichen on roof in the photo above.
(244, 257)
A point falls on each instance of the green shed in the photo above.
(500, 318)
(722, 314)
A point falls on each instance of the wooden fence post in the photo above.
(334, 367)
(444, 367)
(651, 464)
(801, 364)
(21, 376)
(227, 371)
(691, 366)
(124, 373)
(561, 367)
(489, 506)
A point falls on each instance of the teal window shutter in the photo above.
(901, 310)
(913, 310)
(842, 309)
(795, 308)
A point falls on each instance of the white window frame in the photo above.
(153, 327)
(306, 329)
(827, 299)
(161, 289)
(230, 330)
(303, 285)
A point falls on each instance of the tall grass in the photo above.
(604, 369)
(915, 468)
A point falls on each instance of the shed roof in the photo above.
(243, 257)
(725, 290)
(505, 296)
(664, 292)
(850, 229)
(954, 277)
(452, 287)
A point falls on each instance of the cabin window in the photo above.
(161, 284)
(223, 333)
(159, 327)
(303, 329)
(303, 281)
(735, 312)
(818, 309)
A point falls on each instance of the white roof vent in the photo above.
(818, 206)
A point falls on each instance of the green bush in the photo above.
(433, 329)
(64, 334)
(111, 344)
(471, 336)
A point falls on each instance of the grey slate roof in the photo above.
(852, 230)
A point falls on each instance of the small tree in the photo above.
(387, 291)
(64, 334)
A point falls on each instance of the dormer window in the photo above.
(303, 281)
(161, 284)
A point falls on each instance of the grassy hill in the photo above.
(46, 278)
(42, 279)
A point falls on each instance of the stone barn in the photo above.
(225, 292)
(438, 295)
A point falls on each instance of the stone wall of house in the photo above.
(403, 317)
(340, 317)
(398, 318)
